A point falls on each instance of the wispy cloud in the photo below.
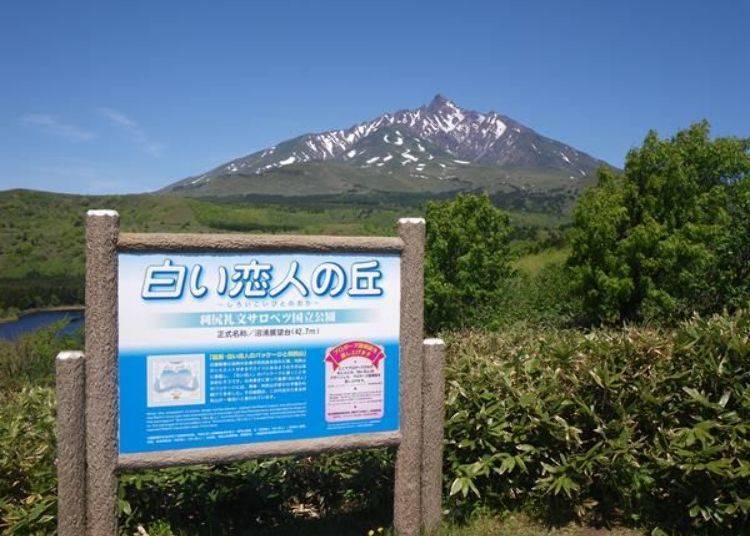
(81, 175)
(133, 130)
(53, 125)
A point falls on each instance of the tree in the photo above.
(467, 261)
(669, 235)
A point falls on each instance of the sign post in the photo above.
(433, 417)
(219, 348)
(407, 498)
(102, 231)
(71, 443)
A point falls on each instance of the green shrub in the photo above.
(671, 236)
(27, 438)
(229, 498)
(544, 298)
(30, 360)
(27, 455)
(467, 261)
(645, 426)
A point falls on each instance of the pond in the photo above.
(33, 321)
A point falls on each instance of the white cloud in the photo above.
(133, 130)
(52, 125)
(79, 175)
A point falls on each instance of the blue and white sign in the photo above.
(223, 349)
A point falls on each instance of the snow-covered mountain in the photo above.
(436, 147)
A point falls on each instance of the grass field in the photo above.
(519, 525)
(531, 263)
(514, 525)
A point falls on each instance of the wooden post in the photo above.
(70, 378)
(433, 417)
(407, 499)
(102, 228)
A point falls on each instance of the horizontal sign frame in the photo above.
(249, 451)
(143, 242)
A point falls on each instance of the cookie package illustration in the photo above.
(175, 377)
(175, 380)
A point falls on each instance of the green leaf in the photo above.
(456, 486)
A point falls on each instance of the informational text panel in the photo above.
(221, 349)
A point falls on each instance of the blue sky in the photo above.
(104, 97)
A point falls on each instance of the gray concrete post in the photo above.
(70, 377)
(102, 228)
(433, 417)
(406, 503)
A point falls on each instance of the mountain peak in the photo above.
(440, 143)
(440, 101)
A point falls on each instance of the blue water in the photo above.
(34, 321)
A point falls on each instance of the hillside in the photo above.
(42, 233)
(437, 148)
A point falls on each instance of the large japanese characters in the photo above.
(255, 279)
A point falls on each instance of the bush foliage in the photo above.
(467, 261)
(27, 435)
(27, 461)
(647, 426)
(671, 235)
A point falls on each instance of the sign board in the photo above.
(221, 349)
(214, 348)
